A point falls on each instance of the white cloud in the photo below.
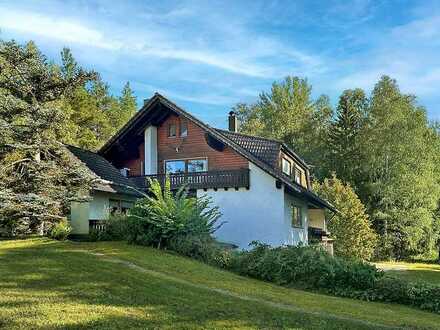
(55, 28)
(159, 43)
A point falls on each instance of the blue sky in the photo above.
(207, 56)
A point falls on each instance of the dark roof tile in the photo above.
(264, 149)
(104, 170)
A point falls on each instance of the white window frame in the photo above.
(300, 216)
(289, 163)
(186, 162)
(183, 122)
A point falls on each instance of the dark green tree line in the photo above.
(384, 146)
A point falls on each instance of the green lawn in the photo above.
(413, 271)
(46, 284)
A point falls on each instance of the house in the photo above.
(261, 186)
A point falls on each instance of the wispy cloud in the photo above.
(214, 55)
(155, 43)
(58, 28)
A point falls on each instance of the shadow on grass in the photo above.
(74, 290)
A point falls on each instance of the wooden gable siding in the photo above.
(194, 146)
(135, 164)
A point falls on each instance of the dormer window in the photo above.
(183, 128)
(286, 166)
(172, 132)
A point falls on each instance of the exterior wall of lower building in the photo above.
(79, 217)
(259, 213)
(295, 235)
(95, 209)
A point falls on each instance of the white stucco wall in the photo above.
(295, 235)
(255, 214)
(79, 217)
(96, 209)
(99, 206)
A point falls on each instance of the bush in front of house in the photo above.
(306, 267)
(116, 229)
(313, 268)
(418, 294)
(204, 249)
(61, 230)
(162, 216)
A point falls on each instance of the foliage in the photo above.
(116, 229)
(162, 216)
(203, 248)
(92, 114)
(312, 268)
(61, 230)
(350, 226)
(401, 178)
(383, 146)
(308, 267)
(288, 113)
(344, 135)
(38, 177)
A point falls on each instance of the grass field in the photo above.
(46, 284)
(410, 271)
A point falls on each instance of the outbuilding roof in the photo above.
(111, 179)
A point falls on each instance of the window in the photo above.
(287, 167)
(186, 165)
(298, 175)
(197, 165)
(125, 206)
(121, 206)
(183, 128)
(175, 166)
(171, 130)
(296, 216)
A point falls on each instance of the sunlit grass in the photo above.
(413, 271)
(50, 285)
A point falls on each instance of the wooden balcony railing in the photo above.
(199, 180)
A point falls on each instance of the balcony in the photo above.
(199, 180)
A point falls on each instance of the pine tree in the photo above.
(127, 106)
(344, 144)
(38, 176)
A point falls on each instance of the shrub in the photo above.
(313, 268)
(61, 230)
(203, 248)
(309, 267)
(116, 229)
(162, 217)
(350, 227)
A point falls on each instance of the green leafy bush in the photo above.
(309, 267)
(61, 230)
(203, 248)
(313, 268)
(161, 217)
(116, 229)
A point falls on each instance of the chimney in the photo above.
(146, 101)
(233, 122)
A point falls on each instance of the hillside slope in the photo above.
(46, 284)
